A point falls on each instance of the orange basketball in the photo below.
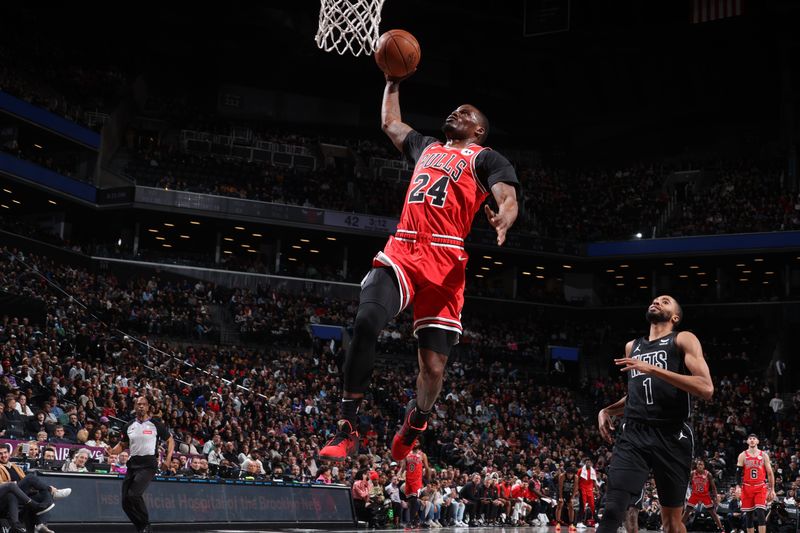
(397, 53)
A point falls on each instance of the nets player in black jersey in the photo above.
(664, 369)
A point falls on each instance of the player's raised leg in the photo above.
(379, 301)
(434, 346)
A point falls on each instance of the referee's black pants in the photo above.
(133, 487)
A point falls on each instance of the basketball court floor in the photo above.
(197, 528)
(233, 529)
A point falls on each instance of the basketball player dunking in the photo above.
(424, 262)
(664, 369)
(704, 491)
(754, 470)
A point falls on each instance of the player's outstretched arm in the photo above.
(391, 119)
(506, 197)
(698, 383)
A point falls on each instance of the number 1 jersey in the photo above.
(653, 400)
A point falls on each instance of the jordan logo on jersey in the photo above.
(658, 358)
(682, 436)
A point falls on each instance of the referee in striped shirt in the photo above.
(142, 436)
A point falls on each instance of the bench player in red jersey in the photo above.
(424, 262)
(703, 491)
(755, 471)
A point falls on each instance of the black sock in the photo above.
(349, 409)
(419, 417)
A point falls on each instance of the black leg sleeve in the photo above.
(617, 501)
(380, 300)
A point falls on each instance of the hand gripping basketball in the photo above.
(397, 54)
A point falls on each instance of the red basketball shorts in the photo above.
(431, 270)
(412, 487)
(696, 498)
(754, 496)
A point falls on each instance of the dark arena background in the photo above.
(192, 193)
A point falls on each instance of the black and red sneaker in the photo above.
(404, 439)
(343, 445)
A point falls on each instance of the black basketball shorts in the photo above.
(668, 450)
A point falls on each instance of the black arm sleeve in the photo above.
(492, 168)
(415, 143)
(739, 475)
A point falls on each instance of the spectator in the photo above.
(193, 467)
(13, 421)
(471, 494)
(23, 408)
(71, 428)
(121, 464)
(251, 471)
(360, 490)
(37, 424)
(32, 485)
(59, 436)
(776, 404)
(393, 493)
(78, 461)
(172, 468)
(324, 475)
(97, 439)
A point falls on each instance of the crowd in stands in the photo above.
(65, 163)
(152, 305)
(575, 205)
(237, 178)
(742, 200)
(45, 76)
(265, 412)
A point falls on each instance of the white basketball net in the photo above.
(349, 26)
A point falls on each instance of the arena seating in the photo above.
(275, 402)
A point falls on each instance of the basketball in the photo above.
(397, 53)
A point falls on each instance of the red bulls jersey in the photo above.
(414, 466)
(445, 191)
(700, 484)
(755, 473)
